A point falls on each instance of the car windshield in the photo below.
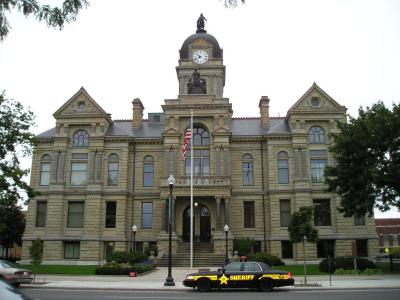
(7, 264)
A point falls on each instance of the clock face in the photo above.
(200, 57)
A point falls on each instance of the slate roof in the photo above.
(238, 126)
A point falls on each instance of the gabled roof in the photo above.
(70, 108)
(328, 104)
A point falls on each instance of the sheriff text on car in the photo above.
(249, 274)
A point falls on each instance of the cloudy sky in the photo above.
(123, 49)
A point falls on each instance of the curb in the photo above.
(179, 289)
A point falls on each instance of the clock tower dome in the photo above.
(201, 69)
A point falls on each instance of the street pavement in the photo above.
(155, 281)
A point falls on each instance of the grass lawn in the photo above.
(299, 269)
(63, 269)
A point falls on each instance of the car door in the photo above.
(232, 271)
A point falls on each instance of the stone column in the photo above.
(218, 161)
(218, 219)
(227, 211)
(164, 216)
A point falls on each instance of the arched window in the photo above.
(81, 139)
(45, 170)
(113, 169)
(316, 135)
(283, 168)
(148, 171)
(201, 153)
(247, 169)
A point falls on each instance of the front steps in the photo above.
(203, 256)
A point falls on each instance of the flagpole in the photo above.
(191, 191)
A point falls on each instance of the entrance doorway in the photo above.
(204, 218)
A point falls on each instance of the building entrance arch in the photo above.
(203, 217)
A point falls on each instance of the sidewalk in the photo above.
(155, 281)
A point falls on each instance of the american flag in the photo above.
(186, 140)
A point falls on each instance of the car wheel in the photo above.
(266, 285)
(204, 285)
(16, 284)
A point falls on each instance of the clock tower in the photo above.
(201, 69)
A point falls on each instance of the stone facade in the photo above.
(97, 177)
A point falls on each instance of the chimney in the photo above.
(137, 113)
(264, 111)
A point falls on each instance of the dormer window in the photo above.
(81, 139)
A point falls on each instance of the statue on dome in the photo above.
(196, 85)
(200, 24)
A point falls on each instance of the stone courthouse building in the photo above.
(97, 177)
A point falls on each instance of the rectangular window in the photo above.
(359, 221)
(78, 173)
(72, 250)
(317, 170)
(111, 214)
(285, 212)
(108, 249)
(287, 249)
(322, 212)
(248, 214)
(41, 209)
(148, 174)
(45, 174)
(147, 215)
(75, 214)
(362, 248)
(283, 171)
(247, 173)
(113, 169)
(325, 248)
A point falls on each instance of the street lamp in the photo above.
(169, 281)
(226, 229)
(132, 272)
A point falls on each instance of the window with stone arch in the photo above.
(247, 169)
(113, 169)
(283, 167)
(316, 135)
(148, 171)
(45, 164)
(80, 138)
(201, 153)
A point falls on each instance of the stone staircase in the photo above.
(203, 256)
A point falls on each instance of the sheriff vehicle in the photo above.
(246, 274)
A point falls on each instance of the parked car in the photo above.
(245, 274)
(14, 275)
(8, 292)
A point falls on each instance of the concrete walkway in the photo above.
(155, 281)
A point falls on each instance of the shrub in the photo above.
(12, 259)
(122, 257)
(346, 263)
(372, 272)
(267, 258)
(243, 245)
(342, 271)
(150, 248)
(116, 269)
(396, 252)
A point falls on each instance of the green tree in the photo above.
(301, 229)
(232, 3)
(36, 255)
(367, 155)
(15, 141)
(54, 16)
